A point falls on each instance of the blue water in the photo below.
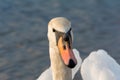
(23, 32)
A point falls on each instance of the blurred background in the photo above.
(23, 32)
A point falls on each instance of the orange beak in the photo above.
(66, 53)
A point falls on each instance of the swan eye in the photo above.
(54, 30)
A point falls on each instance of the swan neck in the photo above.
(59, 70)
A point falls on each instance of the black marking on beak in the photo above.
(71, 64)
(66, 36)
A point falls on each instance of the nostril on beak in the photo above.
(71, 64)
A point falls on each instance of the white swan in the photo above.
(62, 57)
(47, 74)
(100, 66)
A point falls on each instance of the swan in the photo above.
(47, 74)
(65, 61)
(100, 66)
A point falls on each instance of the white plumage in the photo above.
(97, 66)
(65, 62)
(100, 66)
(47, 74)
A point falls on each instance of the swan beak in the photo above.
(66, 53)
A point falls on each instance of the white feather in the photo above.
(100, 66)
(47, 74)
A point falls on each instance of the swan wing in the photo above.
(100, 66)
(79, 61)
(46, 75)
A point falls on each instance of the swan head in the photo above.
(60, 35)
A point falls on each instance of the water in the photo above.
(23, 32)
